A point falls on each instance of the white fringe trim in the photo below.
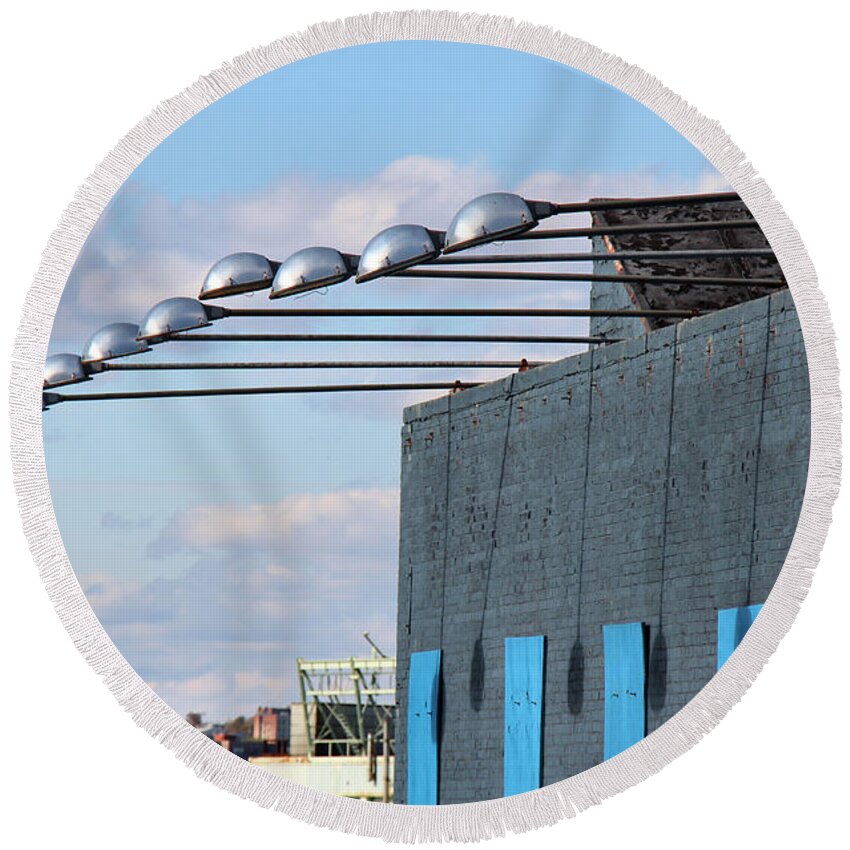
(473, 821)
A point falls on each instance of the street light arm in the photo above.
(642, 203)
(421, 312)
(646, 280)
(586, 256)
(49, 399)
(326, 364)
(630, 229)
(411, 338)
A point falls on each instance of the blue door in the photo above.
(732, 625)
(625, 686)
(523, 713)
(423, 696)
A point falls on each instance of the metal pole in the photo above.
(361, 727)
(401, 312)
(308, 729)
(353, 364)
(196, 337)
(585, 256)
(199, 337)
(589, 278)
(371, 766)
(628, 229)
(386, 795)
(641, 203)
(56, 398)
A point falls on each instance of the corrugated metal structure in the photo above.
(344, 703)
(341, 735)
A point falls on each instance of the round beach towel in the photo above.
(423, 416)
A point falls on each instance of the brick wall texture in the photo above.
(656, 480)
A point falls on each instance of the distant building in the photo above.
(272, 727)
(211, 729)
(245, 748)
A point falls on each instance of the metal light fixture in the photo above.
(397, 248)
(175, 315)
(111, 341)
(488, 218)
(63, 369)
(312, 268)
(237, 273)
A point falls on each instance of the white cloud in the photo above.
(335, 522)
(305, 576)
(212, 693)
(223, 637)
(414, 189)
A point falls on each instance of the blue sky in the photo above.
(219, 539)
(346, 114)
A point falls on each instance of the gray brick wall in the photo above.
(611, 296)
(537, 505)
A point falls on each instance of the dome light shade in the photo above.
(488, 218)
(236, 273)
(173, 316)
(111, 341)
(63, 369)
(312, 268)
(397, 248)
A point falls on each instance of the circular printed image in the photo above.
(426, 422)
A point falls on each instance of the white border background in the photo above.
(76, 768)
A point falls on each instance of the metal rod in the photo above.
(627, 229)
(590, 278)
(255, 312)
(355, 364)
(385, 732)
(196, 337)
(577, 257)
(635, 203)
(56, 398)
